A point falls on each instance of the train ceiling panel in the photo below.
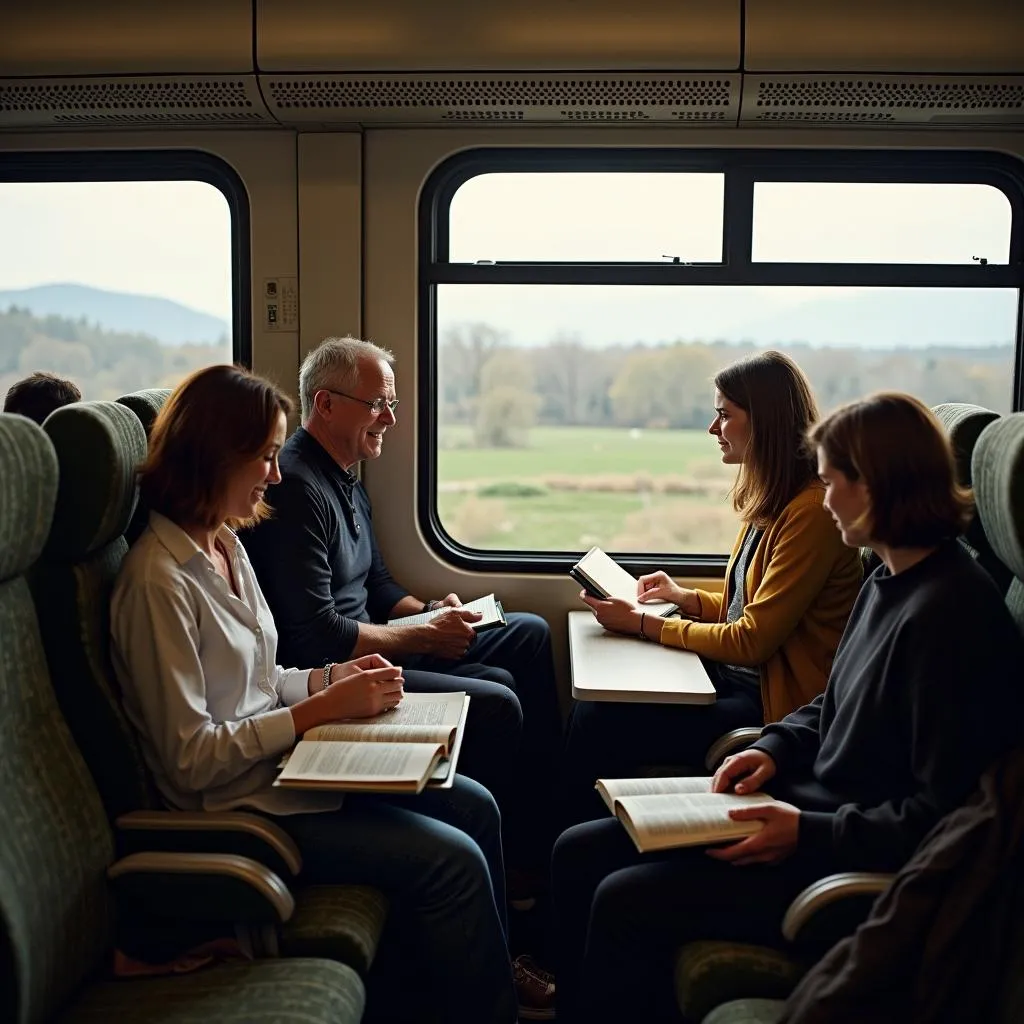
(150, 101)
(48, 38)
(917, 36)
(496, 35)
(330, 64)
(339, 100)
(935, 101)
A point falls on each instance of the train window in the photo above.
(880, 222)
(117, 284)
(572, 376)
(612, 217)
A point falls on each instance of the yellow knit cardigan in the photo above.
(801, 585)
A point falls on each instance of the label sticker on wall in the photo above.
(280, 304)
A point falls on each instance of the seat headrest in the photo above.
(146, 404)
(998, 472)
(963, 425)
(28, 489)
(99, 447)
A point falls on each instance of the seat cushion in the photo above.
(260, 992)
(708, 974)
(747, 1011)
(342, 922)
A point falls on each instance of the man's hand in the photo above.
(452, 601)
(775, 841)
(745, 772)
(449, 634)
(614, 614)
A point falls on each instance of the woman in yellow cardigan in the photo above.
(769, 639)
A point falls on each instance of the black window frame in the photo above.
(742, 169)
(159, 165)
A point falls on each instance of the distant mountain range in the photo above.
(169, 322)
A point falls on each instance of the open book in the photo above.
(660, 814)
(399, 751)
(489, 607)
(602, 577)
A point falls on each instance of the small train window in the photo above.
(116, 284)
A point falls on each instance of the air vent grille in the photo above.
(894, 99)
(369, 99)
(167, 100)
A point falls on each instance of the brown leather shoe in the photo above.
(535, 989)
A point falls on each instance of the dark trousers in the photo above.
(437, 858)
(607, 739)
(620, 917)
(514, 730)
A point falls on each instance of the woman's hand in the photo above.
(776, 840)
(362, 688)
(658, 586)
(745, 772)
(614, 614)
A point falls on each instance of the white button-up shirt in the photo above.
(197, 667)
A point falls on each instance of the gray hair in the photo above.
(335, 361)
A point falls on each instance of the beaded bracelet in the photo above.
(643, 635)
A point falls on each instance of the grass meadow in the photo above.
(573, 487)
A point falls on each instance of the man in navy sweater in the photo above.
(331, 593)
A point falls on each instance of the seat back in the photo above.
(55, 842)
(964, 425)
(998, 473)
(98, 447)
(145, 404)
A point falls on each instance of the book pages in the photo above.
(611, 790)
(608, 577)
(666, 820)
(359, 765)
(419, 718)
(489, 607)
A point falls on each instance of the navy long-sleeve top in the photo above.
(924, 692)
(316, 558)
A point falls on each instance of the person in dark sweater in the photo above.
(331, 593)
(922, 696)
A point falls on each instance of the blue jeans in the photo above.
(437, 857)
(514, 732)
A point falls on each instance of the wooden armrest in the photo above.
(833, 906)
(728, 743)
(229, 832)
(202, 887)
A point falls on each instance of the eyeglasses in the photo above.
(377, 406)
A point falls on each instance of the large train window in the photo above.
(575, 306)
(119, 271)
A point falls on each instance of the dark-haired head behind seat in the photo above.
(38, 394)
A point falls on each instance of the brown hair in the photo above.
(39, 394)
(894, 443)
(773, 391)
(215, 418)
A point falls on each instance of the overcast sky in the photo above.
(172, 239)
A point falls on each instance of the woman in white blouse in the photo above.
(194, 648)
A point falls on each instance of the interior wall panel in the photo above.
(495, 35)
(125, 37)
(330, 237)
